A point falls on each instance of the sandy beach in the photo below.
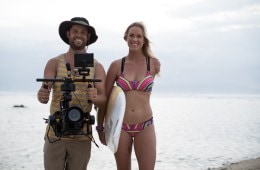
(252, 164)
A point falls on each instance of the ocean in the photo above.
(194, 132)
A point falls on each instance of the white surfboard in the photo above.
(114, 117)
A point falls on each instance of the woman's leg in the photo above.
(145, 148)
(123, 154)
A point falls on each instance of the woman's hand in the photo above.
(101, 134)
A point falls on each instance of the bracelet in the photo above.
(99, 128)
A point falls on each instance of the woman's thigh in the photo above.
(123, 154)
(145, 148)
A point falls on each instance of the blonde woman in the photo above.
(135, 74)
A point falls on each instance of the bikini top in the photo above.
(144, 85)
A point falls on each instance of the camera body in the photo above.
(71, 121)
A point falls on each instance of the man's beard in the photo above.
(74, 45)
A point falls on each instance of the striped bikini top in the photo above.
(144, 85)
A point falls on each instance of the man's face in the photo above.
(78, 37)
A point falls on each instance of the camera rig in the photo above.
(70, 120)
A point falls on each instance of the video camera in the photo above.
(71, 120)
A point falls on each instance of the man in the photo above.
(71, 152)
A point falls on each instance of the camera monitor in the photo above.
(84, 60)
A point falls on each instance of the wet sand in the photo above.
(252, 164)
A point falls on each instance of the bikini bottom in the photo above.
(134, 129)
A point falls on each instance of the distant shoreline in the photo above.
(251, 164)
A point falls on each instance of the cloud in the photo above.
(203, 45)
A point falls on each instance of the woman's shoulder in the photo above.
(116, 62)
(115, 66)
(156, 64)
(155, 60)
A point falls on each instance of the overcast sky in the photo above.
(205, 46)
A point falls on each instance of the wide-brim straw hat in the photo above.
(66, 25)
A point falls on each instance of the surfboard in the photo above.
(114, 117)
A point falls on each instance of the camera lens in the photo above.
(74, 115)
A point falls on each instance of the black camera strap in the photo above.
(92, 140)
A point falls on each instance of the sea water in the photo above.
(194, 132)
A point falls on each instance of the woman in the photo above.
(135, 74)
